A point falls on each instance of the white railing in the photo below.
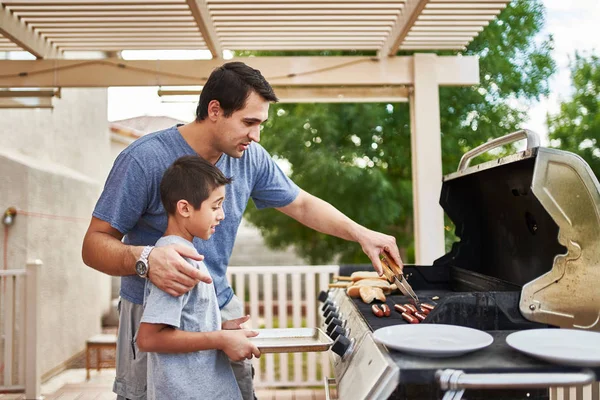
(19, 316)
(279, 297)
(589, 392)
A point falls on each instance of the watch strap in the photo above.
(146, 253)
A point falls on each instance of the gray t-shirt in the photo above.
(130, 201)
(203, 374)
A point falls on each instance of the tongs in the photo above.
(393, 273)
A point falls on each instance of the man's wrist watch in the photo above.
(142, 265)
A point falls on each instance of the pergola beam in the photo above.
(347, 94)
(201, 14)
(17, 32)
(279, 71)
(405, 21)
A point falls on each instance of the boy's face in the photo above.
(234, 134)
(204, 220)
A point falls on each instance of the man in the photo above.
(233, 105)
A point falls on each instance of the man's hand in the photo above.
(171, 273)
(236, 323)
(374, 243)
(236, 345)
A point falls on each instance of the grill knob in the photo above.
(323, 296)
(337, 331)
(328, 309)
(329, 317)
(332, 324)
(340, 345)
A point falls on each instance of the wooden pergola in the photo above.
(47, 28)
(54, 30)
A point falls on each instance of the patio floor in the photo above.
(71, 385)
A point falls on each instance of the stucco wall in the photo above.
(54, 162)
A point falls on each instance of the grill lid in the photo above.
(530, 220)
(568, 295)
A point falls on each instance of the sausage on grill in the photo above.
(410, 319)
(412, 308)
(420, 316)
(400, 308)
(386, 310)
(377, 311)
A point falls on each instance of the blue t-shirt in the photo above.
(130, 201)
(203, 374)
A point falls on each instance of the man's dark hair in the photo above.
(231, 84)
(190, 178)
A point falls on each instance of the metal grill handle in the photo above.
(533, 140)
(456, 381)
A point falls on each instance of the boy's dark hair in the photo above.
(231, 84)
(190, 178)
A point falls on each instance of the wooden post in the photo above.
(596, 391)
(426, 146)
(9, 327)
(32, 310)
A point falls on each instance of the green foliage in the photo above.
(576, 127)
(358, 156)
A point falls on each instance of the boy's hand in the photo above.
(171, 273)
(236, 345)
(235, 323)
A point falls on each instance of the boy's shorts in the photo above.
(130, 382)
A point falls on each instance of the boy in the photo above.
(187, 351)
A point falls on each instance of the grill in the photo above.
(528, 256)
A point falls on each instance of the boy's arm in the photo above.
(161, 338)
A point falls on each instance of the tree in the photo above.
(576, 127)
(357, 156)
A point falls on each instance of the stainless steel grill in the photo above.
(528, 257)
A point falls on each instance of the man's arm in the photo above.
(323, 217)
(161, 338)
(104, 251)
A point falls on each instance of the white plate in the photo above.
(561, 346)
(433, 340)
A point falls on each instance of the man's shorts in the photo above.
(130, 382)
(243, 370)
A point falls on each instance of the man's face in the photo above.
(204, 221)
(234, 134)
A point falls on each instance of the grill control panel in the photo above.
(363, 368)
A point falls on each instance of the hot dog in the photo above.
(410, 319)
(400, 308)
(424, 311)
(412, 308)
(377, 311)
(386, 310)
(427, 306)
(420, 316)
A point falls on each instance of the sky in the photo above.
(574, 24)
